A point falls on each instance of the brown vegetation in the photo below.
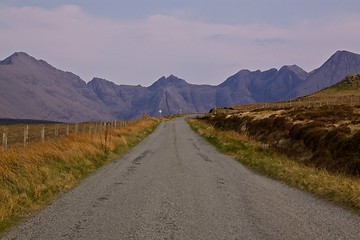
(325, 137)
(31, 176)
(336, 187)
(23, 134)
(317, 134)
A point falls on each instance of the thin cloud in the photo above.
(140, 51)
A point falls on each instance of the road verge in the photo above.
(335, 187)
(32, 177)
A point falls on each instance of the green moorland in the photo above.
(349, 86)
(313, 147)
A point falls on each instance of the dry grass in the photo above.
(30, 177)
(312, 142)
(335, 187)
(325, 137)
(15, 132)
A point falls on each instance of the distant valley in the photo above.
(33, 89)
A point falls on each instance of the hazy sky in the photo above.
(202, 41)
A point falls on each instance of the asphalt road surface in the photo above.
(174, 185)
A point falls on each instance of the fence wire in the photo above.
(23, 134)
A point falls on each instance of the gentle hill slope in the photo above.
(350, 85)
(346, 91)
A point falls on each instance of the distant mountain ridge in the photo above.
(33, 89)
(336, 68)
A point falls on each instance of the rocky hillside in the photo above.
(33, 89)
(341, 64)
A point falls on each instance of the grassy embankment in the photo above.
(336, 187)
(31, 177)
(314, 148)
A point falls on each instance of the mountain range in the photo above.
(33, 89)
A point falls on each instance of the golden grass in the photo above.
(30, 177)
(338, 188)
(325, 137)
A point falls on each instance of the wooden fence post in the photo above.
(105, 135)
(43, 133)
(56, 131)
(4, 140)
(26, 134)
(67, 129)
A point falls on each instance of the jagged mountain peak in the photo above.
(97, 80)
(241, 73)
(31, 88)
(245, 75)
(295, 68)
(301, 73)
(346, 59)
(100, 83)
(343, 55)
(17, 57)
(340, 64)
(25, 60)
(244, 72)
(169, 81)
(344, 52)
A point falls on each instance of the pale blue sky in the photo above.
(202, 41)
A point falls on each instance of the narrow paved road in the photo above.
(175, 186)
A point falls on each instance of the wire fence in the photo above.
(23, 134)
(300, 102)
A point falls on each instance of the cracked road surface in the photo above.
(174, 185)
